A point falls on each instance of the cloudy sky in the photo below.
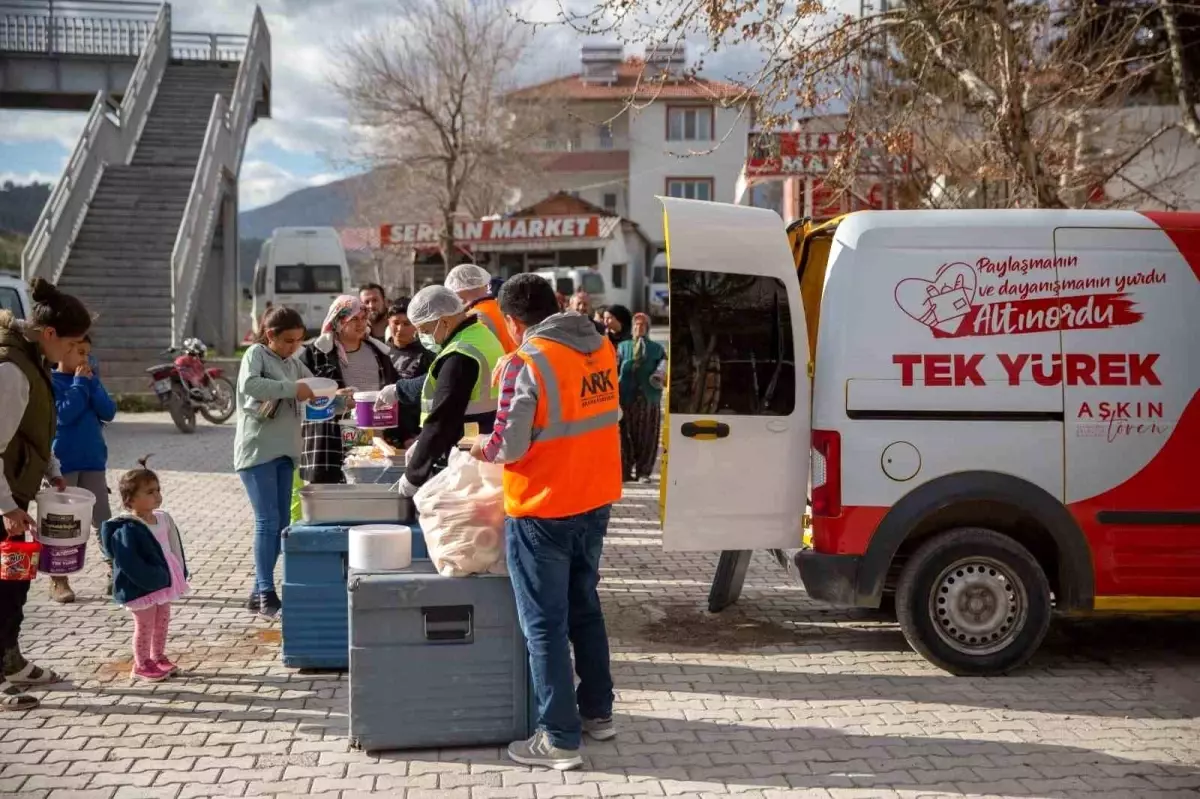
(305, 141)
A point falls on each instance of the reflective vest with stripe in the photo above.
(488, 312)
(573, 464)
(478, 342)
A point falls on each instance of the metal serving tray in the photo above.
(323, 504)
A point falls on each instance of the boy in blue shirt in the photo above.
(84, 406)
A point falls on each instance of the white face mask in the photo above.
(429, 340)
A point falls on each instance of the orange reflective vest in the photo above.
(488, 311)
(573, 464)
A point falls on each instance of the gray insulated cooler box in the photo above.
(435, 661)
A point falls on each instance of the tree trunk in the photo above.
(1185, 96)
(447, 243)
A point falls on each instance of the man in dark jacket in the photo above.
(407, 354)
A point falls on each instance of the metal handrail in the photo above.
(220, 155)
(109, 136)
(197, 46)
(96, 27)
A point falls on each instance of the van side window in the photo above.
(326, 279)
(734, 353)
(593, 283)
(290, 279)
(260, 280)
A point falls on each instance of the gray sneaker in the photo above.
(600, 729)
(541, 751)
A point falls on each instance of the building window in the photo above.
(686, 123)
(619, 275)
(737, 356)
(575, 143)
(610, 202)
(690, 188)
(605, 136)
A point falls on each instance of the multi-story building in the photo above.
(640, 128)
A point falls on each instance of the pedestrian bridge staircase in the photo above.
(142, 226)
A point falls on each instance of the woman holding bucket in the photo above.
(57, 324)
(346, 354)
(271, 387)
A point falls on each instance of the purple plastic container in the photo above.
(366, 416)
(60, 560)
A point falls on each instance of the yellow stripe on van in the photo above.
(666, 409)
(1147, 604)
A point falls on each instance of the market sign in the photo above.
(515, 229)
(804, 154)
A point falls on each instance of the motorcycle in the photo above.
(186, 385)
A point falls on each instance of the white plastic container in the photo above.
(320, 407)
(64, 525)
(380, 547)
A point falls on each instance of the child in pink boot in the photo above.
(149, 569)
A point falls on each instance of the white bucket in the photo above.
(380, 547)
(320, 407)
(64, 525)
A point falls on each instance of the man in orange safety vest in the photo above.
(471, 283)
(556, 434)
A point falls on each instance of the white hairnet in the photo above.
(433, 303)
(465, 277)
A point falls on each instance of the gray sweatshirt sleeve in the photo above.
(516, 427)
(252, 383)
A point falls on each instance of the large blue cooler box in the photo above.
(314, 621)
(436, 661)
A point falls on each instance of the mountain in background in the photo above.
(20, 206)
(331, 205)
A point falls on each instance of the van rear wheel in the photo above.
(973, 602)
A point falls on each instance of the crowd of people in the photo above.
(498, 375)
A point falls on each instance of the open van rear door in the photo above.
(738, 424)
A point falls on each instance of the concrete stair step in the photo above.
(143, 173)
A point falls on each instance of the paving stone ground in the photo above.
(778, 696)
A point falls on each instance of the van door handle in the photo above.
(704, 430)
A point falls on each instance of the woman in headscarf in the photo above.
(641, 369)
(619, 322)
(345, 353)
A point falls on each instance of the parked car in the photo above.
(301, 268)
(996, 412)
(14, 296)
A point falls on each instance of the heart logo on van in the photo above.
(940, 303)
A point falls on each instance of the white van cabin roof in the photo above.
(912, 228)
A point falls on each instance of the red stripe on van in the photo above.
(1183, 228)
(849, 533)
(1125, 553)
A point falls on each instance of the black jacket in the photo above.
(455, 374)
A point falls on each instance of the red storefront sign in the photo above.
(804, 154)
(516, 229)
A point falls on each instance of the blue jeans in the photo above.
(269, 486)
(555, 568)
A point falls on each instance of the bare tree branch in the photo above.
(430, 88)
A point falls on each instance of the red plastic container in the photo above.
(19, 560)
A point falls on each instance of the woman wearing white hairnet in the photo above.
(458, 387)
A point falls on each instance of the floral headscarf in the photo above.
(343, 308)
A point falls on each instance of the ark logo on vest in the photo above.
(597, 387)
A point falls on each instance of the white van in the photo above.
(14, 296)
(658, 292)
(1001, 419)
(301, 268)
(568, 280)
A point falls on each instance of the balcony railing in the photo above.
(117, 28)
